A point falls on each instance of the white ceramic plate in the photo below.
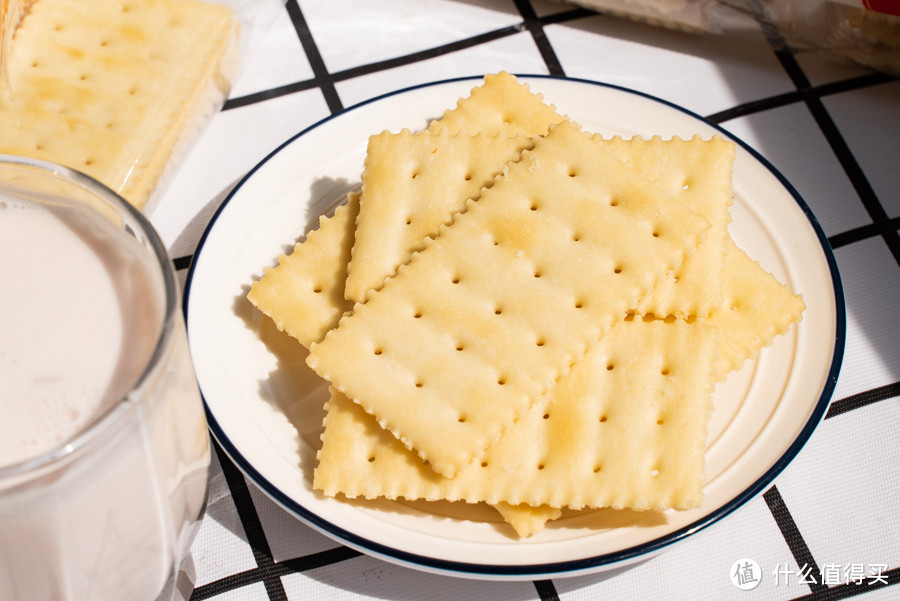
(265, 406)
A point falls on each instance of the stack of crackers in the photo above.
(116, 89)
(514, 311)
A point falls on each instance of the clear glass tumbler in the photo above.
(104, 449)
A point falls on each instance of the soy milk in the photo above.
(81, 313)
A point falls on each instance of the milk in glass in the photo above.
(103, 444)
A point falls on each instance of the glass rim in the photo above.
(141, 228)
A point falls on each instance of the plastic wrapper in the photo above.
(862, 32)
(11, 12)
(119, 90)
(695, 16)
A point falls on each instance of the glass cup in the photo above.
(104, 449)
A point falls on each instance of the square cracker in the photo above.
(304, 293)
(412, 184)
(468, 334)
(110, 88)
(625, 428)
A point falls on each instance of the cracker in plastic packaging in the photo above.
(116, 89)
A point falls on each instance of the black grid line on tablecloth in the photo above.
(269, 572)
(841, 150)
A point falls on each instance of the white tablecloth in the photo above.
(832, 129)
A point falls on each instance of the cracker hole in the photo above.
(664, 371)
(35, 64)
(655, 234)
(88, 162)
(610, 366)
(419, 384)
(104, 43)
(408, 221)
(734, 306)
(467, 177)
(378, 351)
(371, 458)
(598, 469)
(660, 421)
(617, 269)
(415, 174)
(461, 419)
(455, 280)
(534, 206)
(540, 466)
(57, 27)
(613, 202)
(501, 381)
(654, 472)
(417, 315)
(484, 464)
(537, 274)
(498, 311)
(576, 237)
(579, 304)
(572, 172)
(317, 290)
(546, 416)
(540, 342)
(459, 347)
(603, 419)
(38, 146)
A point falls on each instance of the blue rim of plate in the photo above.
(551, 569)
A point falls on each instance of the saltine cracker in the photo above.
(304, 293)
(413, 183)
